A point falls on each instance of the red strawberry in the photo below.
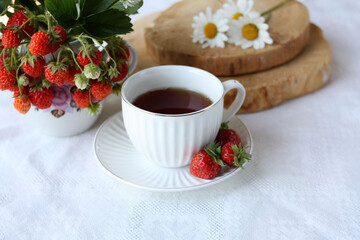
(34, 66)
(94, 54)
(24, 91)
(22, 101)
(81, 98)
(206, 163)
(7, 79)
(72, 71)
(234, 154)
(40, 44)
(124, 70)
(18, 19)
(60, 36)
(123, 53)
(57, 73)
(100, 90)
(11, 38)
(41, 98)
(226, 135)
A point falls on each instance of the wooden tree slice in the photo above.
(306, 73)
(169, 39)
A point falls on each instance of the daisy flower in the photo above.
(249, 31)
(129, 3)
(210, 29)
(234, 11)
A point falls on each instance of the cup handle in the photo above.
(239, 99)
(133, 60)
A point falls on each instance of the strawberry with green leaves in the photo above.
(22, 101)
(234, 154)
(207, 164)
(33, 65)
(43, 43)
(226, 135)
(122, 72)
(7, 79)
(89, 54)
(82, 98)
(73, 70)
(57, 72)
(20, 20)
(100, 90)
(11, 38)
(41, 97)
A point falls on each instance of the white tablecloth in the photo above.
(304, 181)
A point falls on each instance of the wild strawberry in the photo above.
(123, 71)
(7, 79)
(234, 154)
(33, 66)
(11, 38)
(92, 53)
(18, 19)
(81, 82)
(59, 36)
(24, 91)
(118, 49)
(40, 44)
(22, 102)
(206, 163)
(57, 72)
(226, 135)
(100, 90)
(92, 71)
(41, 97)
(72, 71)
(123, 53)
(81, 98)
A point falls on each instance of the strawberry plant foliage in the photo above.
(50, 43)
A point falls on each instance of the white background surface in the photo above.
(302, 184)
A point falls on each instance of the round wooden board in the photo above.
(169, 39)
(306, 73)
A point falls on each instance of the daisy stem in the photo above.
(275, 7)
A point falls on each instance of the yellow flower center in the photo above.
(250, 31)
(237, 15)
(210, 30)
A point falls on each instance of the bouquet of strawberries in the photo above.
(72, 43)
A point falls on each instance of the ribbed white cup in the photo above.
(172, 140)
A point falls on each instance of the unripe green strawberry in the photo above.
(81, 81)
(92, 71)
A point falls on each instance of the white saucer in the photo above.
(119, 158)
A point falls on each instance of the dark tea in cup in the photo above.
(172, 101)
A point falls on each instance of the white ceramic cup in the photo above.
(172, 140)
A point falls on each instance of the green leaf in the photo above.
(89, 7)
(64, 11)
(4, 4)
(108, 23)
(130, 10)
(30, 4)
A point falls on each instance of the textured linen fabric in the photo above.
(303, 182)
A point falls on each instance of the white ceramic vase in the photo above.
(64, 118)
